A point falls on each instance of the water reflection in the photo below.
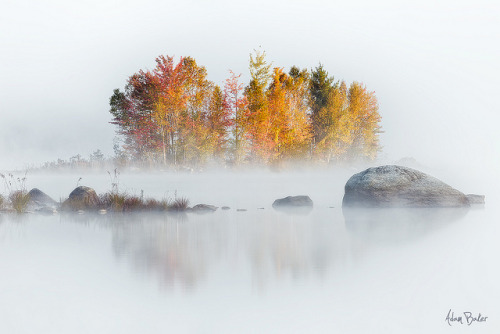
(263, 246)
(290, 210)
(185, 250)
(391, 225)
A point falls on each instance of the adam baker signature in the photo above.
(467, 318)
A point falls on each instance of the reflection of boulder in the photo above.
(396, 186)
(398, 224)
(81, 198)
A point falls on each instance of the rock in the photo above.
(203, 208)
(475, 199)
(293, 201)
(81, 198)
(40, 198)
(397, 186)
(225, 208)
(294, 205)
(241, 210)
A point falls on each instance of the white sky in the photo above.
(433, 65)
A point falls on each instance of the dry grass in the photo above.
(112, 201)
(123, 202)
(179, 204)
(19, 200)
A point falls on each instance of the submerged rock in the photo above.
(81, 198)
(475, 199)
(293, 201)
(225, 208)
(397, 186)
(202, 208)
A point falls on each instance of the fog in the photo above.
(259, 270)
(433, 66)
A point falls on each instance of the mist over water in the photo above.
(259, 270)
(434, 68)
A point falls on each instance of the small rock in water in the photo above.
(202, 208)
(225, 208)
(475, 199)
(102, 212)
(80, 212)
(241, 210)
(293, 201)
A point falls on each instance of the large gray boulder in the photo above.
(397, 186)
(81, 198)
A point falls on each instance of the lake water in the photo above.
(254, 271)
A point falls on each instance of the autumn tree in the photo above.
(257, 119)
(334, 125)
(287, 100)
(169, 99)
(164, 111)
(235, 104)
(363, 111)
(195, 139)
(299, 114)
(174, 115)
(219, 123)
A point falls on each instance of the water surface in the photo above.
(254, 271)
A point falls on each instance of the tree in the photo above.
(333, 125)
(174, 115)
(321, 85)
(97, 158)
(299, 120)
(235, 104)
(169, 100)
(257, 118)
(363, 109)
(164, 112)
(219, 123)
